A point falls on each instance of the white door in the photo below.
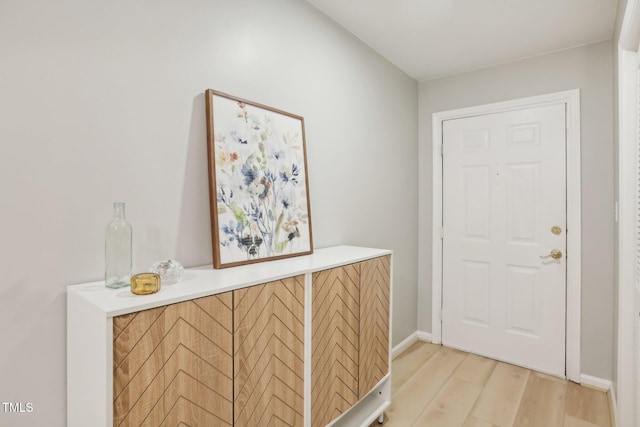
(504, 208)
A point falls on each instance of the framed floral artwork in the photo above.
(258, 186)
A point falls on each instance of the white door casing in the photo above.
(504, 181)
(570, 101)
(628, 385)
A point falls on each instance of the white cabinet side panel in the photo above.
(89, 365)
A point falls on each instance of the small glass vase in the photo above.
(170, 271)
(118, 250)
(145, 283)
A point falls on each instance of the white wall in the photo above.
(103, 101)
(588, 68)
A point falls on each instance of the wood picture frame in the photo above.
(258, 183)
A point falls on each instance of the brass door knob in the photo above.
(555, 254)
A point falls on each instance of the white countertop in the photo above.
(203, 281)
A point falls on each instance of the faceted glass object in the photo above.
(117, 248)
(170, 271)
(145, 283)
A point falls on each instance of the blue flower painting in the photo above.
(260, 202)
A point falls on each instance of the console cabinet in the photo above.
(300, 342)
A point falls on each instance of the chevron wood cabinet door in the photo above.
(173, 365)
(375, 287)
(335, 343)
(269, 354)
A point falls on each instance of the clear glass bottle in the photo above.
(117, 271)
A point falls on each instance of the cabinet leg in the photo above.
(381, 418)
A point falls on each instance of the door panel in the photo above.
(335, 345)
(477, 195)
(524, 180)
(476, 292)
(268, 356)
(504, 181)
(173, 364)
(375, 296)
(522, 283)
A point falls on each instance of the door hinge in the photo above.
(441, 150)
(442, 232)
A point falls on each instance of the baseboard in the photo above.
(596, 382)
(403, 345)
(425, 336)
(614, 407)
(408, 342)
(604, 385)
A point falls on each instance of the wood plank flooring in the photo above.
(440, 387)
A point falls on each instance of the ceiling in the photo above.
(433, 38)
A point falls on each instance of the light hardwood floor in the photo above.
(436, 386)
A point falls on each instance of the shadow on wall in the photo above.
(193, 245)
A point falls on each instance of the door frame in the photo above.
(571, 99)
(628, 72)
